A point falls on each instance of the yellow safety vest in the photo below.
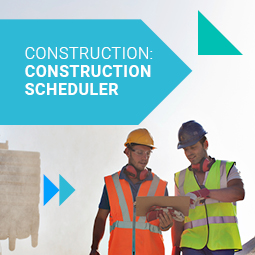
(213, 223)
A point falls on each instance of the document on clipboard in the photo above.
(180, 203)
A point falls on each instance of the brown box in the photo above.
(180, 203)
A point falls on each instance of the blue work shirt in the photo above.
(104, 203)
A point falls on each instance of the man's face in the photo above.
(196, 152)
(138, 156)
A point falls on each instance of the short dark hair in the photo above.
(130, 145)
(203, 139)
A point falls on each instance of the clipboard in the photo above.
(180, 203)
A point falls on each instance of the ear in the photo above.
(127, 152)
(206, 144)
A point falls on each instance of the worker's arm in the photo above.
(232, 193)
(176, 232)
(98, 231)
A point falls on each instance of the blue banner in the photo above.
(83, 72)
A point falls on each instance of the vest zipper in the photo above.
(207, 223)
(203, 201)
(134, 222)
(133, 231)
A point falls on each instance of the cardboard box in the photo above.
(180, 203)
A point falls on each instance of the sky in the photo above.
(218, 94)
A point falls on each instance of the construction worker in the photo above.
(213, 187)
(130, 234)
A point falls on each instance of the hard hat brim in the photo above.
(181, 146)
(151, 146)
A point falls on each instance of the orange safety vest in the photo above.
(130, 234)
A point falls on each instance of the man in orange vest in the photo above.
(130, 234)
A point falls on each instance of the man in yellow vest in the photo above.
(129, 234)
(213, 186)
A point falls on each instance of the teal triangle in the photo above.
(65, 190)
(211, 41)
(49, 190)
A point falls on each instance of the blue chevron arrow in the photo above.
(49, 190)
(65, 190)
(164, 71)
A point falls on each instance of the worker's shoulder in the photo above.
(223, 160)
(155, 176)
(183, 170)
(227, 163)
(111, 175)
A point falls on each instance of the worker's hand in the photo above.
(176, 250)
(94, 252)
(166, 221)
(197, 196)
(155, 211)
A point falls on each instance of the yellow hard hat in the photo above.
(140, 136)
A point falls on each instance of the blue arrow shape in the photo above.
(49, 190)
(65, 190)
(146, 80)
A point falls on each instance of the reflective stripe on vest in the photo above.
(181, 182)
(223, 175)
(139, 225)
(211, 220)
(151, 193)
(122, 201)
